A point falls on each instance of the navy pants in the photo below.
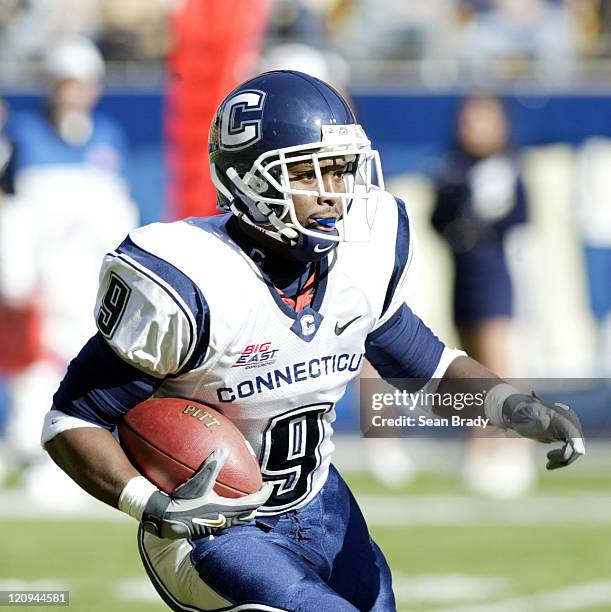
(319, 558)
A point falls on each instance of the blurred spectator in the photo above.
(124, 31)
(402, 30)
(432, 39)
(480, 197)
(71, 206)
(513, 33)
(604, 26)
(137, 29)
(297, 21)
(589, 18)
(29, 27)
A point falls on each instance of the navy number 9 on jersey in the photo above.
(113, 305)
(291, 453)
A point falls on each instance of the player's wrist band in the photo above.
(135, 496)
(493, 404)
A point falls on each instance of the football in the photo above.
(168, 439)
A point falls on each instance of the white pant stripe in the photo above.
(174, 555)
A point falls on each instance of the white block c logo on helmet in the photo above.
(237, 129)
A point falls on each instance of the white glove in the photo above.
(194, 510)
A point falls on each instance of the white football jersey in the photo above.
(183, 301)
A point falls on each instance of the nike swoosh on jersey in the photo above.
(340, 329)
(319, 250)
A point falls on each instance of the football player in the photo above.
(266, 313)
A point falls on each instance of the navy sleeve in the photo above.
(100, 387)
(404, 347)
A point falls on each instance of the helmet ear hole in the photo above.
(258, 206)
(257, 183)
(249, 207)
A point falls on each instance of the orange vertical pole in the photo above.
(217, 44)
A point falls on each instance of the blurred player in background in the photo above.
(70, 205)
(6, 151)
(313, 260)
(480, 197)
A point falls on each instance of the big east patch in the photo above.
(255, 355)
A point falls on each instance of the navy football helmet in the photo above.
(284, 117)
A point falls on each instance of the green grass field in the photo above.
(541, 565)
